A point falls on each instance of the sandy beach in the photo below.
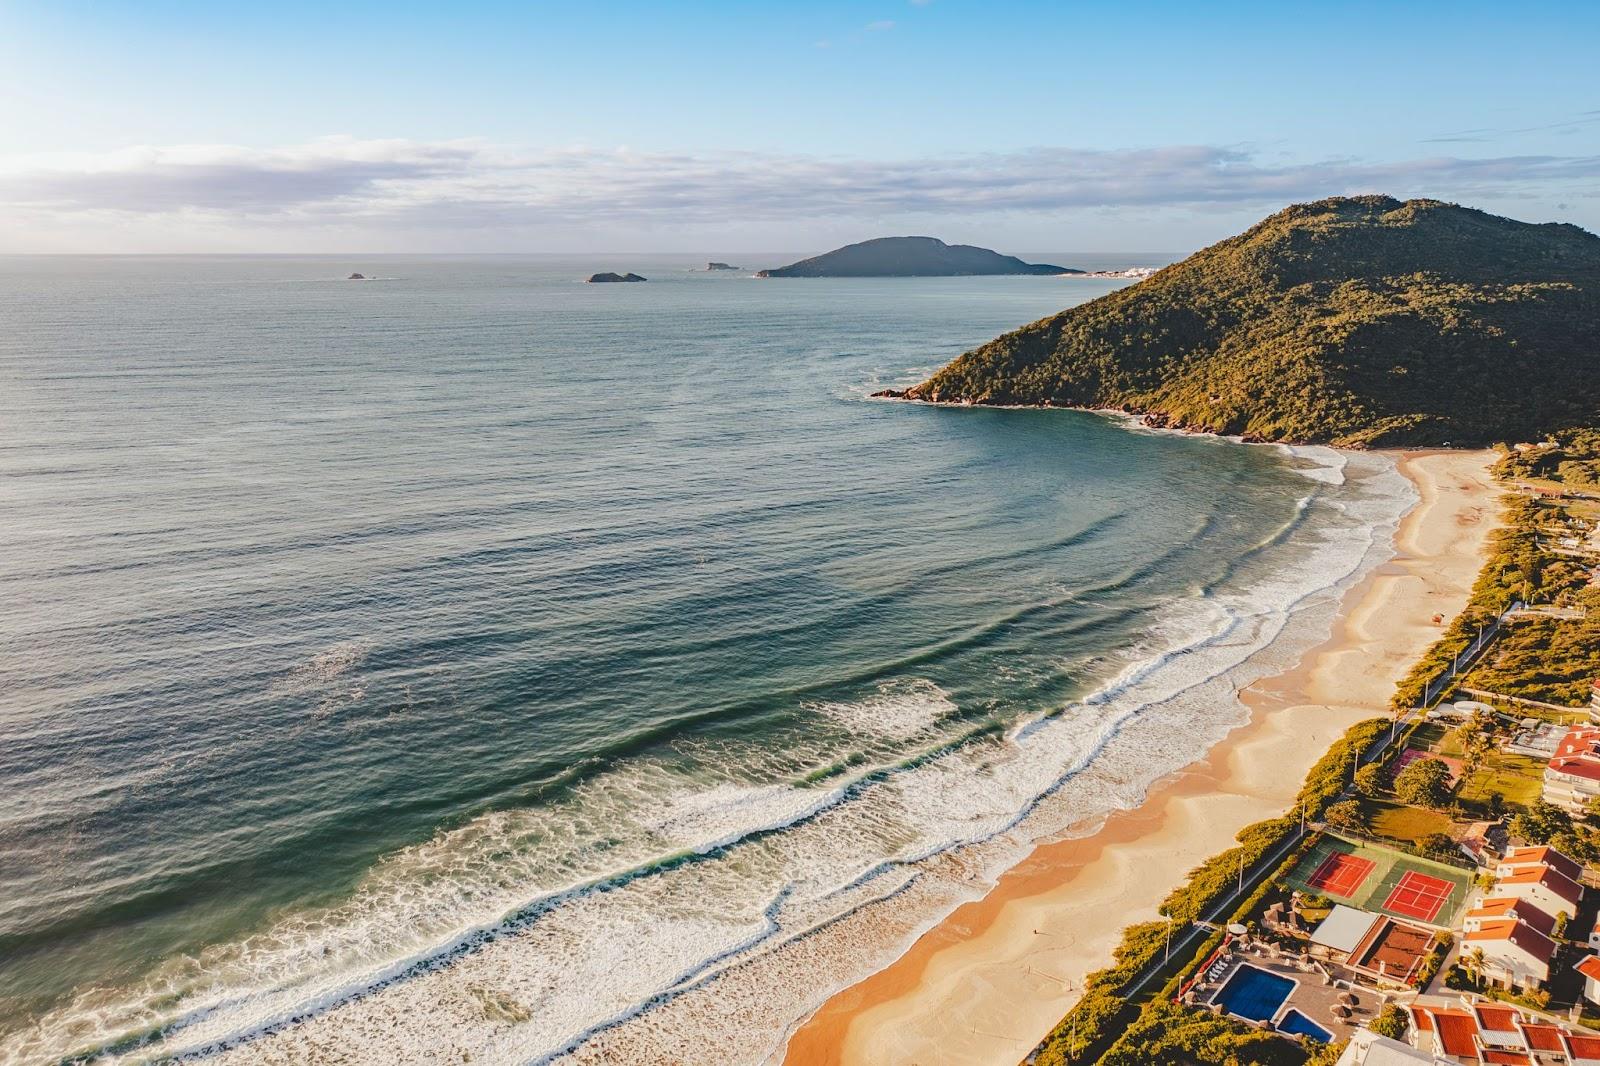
(989, 982)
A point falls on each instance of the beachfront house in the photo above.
(1589, 966)
(1508, 908)
(1367, 1048)
(1572, 776)
(1515, 955)
(1546, 888)
(1543, 855)
(1499, 1028)
(1445, 1032)
(1581, 1050)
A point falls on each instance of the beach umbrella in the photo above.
(1340, 1011)
(1348, 997)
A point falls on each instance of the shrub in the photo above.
(1370, 780)
(1390, 1022)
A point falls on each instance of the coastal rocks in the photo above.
(356, 277)
(721, 266)
(608, 276)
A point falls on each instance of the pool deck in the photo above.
(1315, 993)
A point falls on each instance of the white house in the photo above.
(1518, 859)
(1515, 955)
(1572, 776)
(1543, 886)
(1507, 908)
(1367, 1048)
(1590, 968)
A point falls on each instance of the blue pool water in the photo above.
(1254, 994)
(1295, 1022)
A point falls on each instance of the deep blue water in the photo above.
(1254, 994)
(341, 619)
(1295, 1022)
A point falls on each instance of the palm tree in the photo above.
(1474, 963)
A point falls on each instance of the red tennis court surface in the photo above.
(1418, 896)
(1340, 874)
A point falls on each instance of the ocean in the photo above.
(475, 663)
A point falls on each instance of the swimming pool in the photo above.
(1295, 1022)
(1253, 994)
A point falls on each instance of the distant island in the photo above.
(356, 277)
(608, 277)
(909, 257)
(1356, 321)
(721, 266)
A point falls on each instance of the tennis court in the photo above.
(1382, 880)
(1419, 896)
(1340, 874)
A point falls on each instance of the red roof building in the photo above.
(1543, 855)
(1572, 776)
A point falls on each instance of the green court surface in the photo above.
(1375, 878)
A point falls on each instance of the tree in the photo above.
(1576, 843)
(1441, 844)
(1390, 1022)
(1541, 822)
(1496, 802)
(1559, 930)
(1425, 783)
(1347, 814)
(1369, 779)
(1473, 961)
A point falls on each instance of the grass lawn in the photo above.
(1427, 735)
(1396, 821)
(1518, 778)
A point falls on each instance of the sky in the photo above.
(351, 126)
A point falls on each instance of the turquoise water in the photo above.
(476, 660)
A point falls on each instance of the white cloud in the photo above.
(461, 185)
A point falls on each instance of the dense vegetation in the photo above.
(1358, 321)
(1518, 568)
(1552, 660)
(1168, 1035)
(1570, 459)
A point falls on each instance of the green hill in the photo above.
(1358, 321)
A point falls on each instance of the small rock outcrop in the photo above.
(356, 277)
(608, 276)
(721, 266)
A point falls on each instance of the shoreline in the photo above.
(988, 982)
